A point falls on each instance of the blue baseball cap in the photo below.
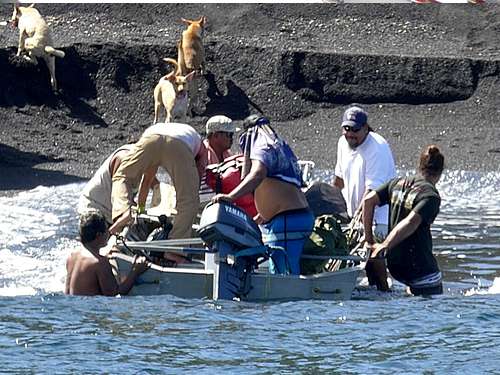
(355, 117)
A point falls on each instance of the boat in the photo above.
(229, 264)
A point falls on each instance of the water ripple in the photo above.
(44, 331)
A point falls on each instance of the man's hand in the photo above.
(378, 250)
(141, 209)
(140, 265)
(259, 219)
(122, 221)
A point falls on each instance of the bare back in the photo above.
(273, 196)
(89, 275)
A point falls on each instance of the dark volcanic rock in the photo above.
(427, 74)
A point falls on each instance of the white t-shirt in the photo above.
(365, 168)
(182, 132)
(96, 194)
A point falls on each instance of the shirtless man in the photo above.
(89, 273)
(271, 171)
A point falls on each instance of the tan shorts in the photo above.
(178, 160)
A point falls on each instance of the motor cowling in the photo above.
(229, 232)
(226, 222)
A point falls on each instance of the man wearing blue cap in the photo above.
(364, 162)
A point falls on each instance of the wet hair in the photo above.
(431, 161)
(91, 224)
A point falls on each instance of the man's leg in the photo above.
(288, 232)
(272, 237)
(376, 272)
(429, 291)
(298, 228)
(179, 162)
(376, 269)
(143, 155)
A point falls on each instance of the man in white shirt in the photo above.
(179, 150)
(96, 195)
(364, 162)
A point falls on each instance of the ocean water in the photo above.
(44, 331)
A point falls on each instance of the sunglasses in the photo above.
(228, 134)
(348, 128)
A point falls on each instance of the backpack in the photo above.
(326, 239)
(225, 176)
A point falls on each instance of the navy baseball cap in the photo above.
(354, 117)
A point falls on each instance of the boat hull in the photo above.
(197, 282)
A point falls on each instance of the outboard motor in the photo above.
(236, 242)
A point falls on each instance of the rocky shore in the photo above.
(425, 73)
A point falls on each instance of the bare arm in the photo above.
(247, 164)
(154, 182)
(258, 172)
(369, 202)
(68, 275)
(107, 281)
(147, 181)
(403, 230)
(122, 221)
(140, 265)
(201, 160)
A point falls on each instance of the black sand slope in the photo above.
(426, 74)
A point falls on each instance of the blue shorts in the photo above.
(286, 234)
